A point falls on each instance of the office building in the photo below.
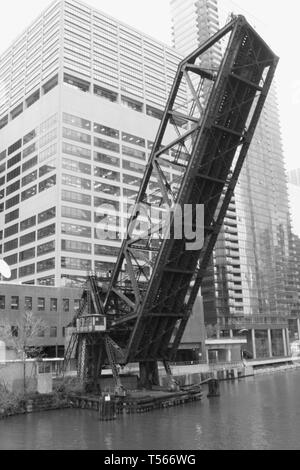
(81, 98)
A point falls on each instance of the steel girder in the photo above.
(205, 141)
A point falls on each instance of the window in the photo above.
(49, 137)
(14, 305)
(132, 104)
(76, 264)
(29, 150)
(29, 178)
(14, 331)
(76, 182)
(133, 139)
(15, 146)
(106, 94)
(12, 259)
(13, 174)
(27, 223)
(104, 130)
(76, 166)
(47, 153)
(33, 98)
(107, 159)
(48, 183)
(46, 231)
(50, 84)
(78, 198)
(2, 302)
(77, 83)
(27, 254)
(50, 166)
(76, 151)
(76, 247)
(12, 230)
(47, 215)
(106, 204)
(74, 213)
(46, 281)
(12, 202)
(50, 122)
(107, 174)
(129, 193)
(29, 238)
(11, 245)
(107, 250)
(154, 112)
(53, 305)
(76, 230)
(66, 305)
(132, 180)
(27, 270)
(32, 162)
(76, 121)
(133, 152)
(28, 193)
(12, 188)
(14, 160)
(46, 265)
(46, 248)
(77, 136)
(41, 303)
(106, 188)
(103, 268)
(106, 144)
(53, 331)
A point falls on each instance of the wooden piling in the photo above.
(213, 388)
(107, 408)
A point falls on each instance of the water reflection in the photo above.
(261, 413)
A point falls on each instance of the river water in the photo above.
(255, 413)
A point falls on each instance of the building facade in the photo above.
(55, 306)
(81, 101)
(250, 284)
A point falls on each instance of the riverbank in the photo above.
(14, 405)
(137, 402)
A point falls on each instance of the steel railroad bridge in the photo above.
(148, 300)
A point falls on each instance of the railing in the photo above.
(226, 365)
(253, 320)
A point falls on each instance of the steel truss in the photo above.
(204, 140)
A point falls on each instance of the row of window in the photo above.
(15, 304)
(29, 238)
(30, 192)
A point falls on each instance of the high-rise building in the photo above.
(251, 281)
(294, 196)
(81, 98)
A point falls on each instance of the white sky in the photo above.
(278, 22)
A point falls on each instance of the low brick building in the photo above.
(56, 306)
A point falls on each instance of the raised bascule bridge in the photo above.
(140, 313)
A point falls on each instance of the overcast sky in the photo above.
(277, 22)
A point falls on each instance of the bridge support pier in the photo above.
(149, 374)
